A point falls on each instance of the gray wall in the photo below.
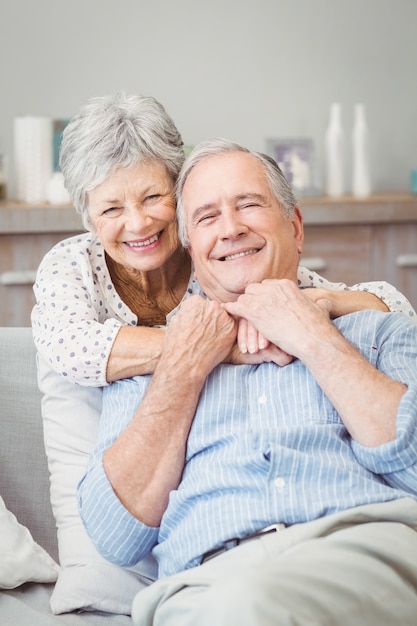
(243, 69)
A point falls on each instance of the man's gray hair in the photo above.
(278, 184)
(116, 131)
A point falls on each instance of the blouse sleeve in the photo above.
(393, 298)
(73, 324)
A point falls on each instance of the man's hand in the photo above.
(283, 314)
(360, 393)
(199, 336)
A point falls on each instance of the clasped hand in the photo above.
(278, 320)
(271, 322)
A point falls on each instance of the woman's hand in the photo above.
(249, 339)
(252, 348)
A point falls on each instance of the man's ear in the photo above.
(297, 222)
(190, 252)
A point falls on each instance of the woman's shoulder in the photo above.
(83, 250)
(84, 242)
(82, 245)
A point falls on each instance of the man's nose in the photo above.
(231, 226)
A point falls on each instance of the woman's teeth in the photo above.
(140, 244)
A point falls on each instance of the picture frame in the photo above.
(58, 127)
(295, 157)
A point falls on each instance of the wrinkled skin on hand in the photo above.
(202, 333)
(252, 348)
(282, 313)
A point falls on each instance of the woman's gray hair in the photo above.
(278, 184)
(116, 131)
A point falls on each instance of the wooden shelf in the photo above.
(20, 217)
(377, 209)
(346, 240)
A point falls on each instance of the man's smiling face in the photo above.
(237, 231)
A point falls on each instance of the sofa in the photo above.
(46, 578)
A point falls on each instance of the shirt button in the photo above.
(279, 483)
(262, 399)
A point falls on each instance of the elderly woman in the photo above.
(101, 296)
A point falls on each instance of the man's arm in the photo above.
(360, 393)
(199, 337)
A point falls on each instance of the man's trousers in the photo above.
(358, 567)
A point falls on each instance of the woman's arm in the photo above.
(135, 351)
(377, 295)
(80, 325)
(344, 302)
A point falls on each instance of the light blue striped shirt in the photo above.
(265, 446)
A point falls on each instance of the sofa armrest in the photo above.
(24, 477)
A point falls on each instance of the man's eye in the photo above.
(205, 218)
(152, 197)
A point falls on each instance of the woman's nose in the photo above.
(137, 219)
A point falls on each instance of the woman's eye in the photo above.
(111, 211)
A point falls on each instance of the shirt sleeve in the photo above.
(117, 535)
(396, 461)
(71, 323)
(394, 299)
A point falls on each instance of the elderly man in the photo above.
(269, 495)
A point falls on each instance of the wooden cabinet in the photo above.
(357, 241)
(341, 253)
(346, 240)
(26, 233)
(395, 257)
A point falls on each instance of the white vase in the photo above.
(335, 153)
(55, 189)
(361, 177)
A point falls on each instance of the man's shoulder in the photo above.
(370, 321)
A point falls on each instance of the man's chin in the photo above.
(226, 293)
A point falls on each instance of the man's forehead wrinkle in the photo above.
(251, 195)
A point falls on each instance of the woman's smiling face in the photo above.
(237, 231)
(133, 214)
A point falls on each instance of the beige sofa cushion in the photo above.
(21, 558)
(87, 581)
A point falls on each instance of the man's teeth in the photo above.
(140, 244)
(230, 257)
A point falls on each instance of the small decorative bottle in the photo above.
(361, 179)
(3, 177)
(335, 153)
